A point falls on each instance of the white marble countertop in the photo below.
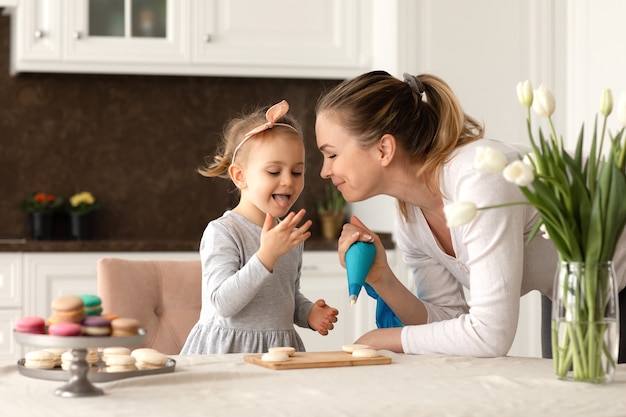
(416, 385)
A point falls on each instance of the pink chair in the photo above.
(165, 296)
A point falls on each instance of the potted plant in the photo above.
(41, 207)
(332, 212)
(80, 208)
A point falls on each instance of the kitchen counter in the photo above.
(425, 385)
(25, 245)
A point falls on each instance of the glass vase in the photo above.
(585, 322)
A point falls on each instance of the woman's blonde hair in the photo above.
(422, 113)
(234, 132)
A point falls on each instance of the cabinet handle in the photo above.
(207, 38)
(77, 35)
(309, 268)
(38, 34)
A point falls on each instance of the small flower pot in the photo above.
(41, 225)
(81, 226)
(332, 224)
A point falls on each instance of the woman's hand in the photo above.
(357, 231)
(388, 339)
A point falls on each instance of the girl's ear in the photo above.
(237, 176)
(387, 149)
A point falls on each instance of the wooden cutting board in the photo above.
(301, 360)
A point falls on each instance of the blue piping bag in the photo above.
(359, 258)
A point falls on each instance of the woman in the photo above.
(411, 140)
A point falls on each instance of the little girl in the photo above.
(250, 260)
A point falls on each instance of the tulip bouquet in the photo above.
(580, 199)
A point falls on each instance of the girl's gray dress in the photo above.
(246, 308)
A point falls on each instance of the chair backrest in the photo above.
(164, 295)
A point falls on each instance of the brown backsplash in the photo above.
(134, 142)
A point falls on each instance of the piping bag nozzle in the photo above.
(359, 258)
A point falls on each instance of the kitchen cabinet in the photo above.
(10, 302)
(273, 38)
(29, 281)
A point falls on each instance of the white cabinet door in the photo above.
(282, 38)
(10, 302)
(51, 275)
(9, 349)
(36, 31)
(323, 277)
(126, 35)
(10, 280)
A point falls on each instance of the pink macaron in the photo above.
(65, 328)
(30, 324)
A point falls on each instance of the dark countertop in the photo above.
(25, 245)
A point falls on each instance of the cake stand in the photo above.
(78, 384)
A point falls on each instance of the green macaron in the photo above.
(93, 304)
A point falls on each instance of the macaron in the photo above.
(352, 348)
(68, 308)
(92, 356)
(110, 316)
(150, 360)
(96, 326)
(57, 352)
(65, 328)
(114, 351)
(92, 304)
(365, 353)
(30, 324)
(275, 357)
(121, 363)
(124, 326)
(39, 359)
(66, 360)
(140, 351)
(287, 349)
(52, 320)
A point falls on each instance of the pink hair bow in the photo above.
(276, 112)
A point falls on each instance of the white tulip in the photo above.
(519, 173)
(544, 232)
(543, 104)
(606, 102)
(489, 160)
(621, 109)
(459, 213)
(525, 93)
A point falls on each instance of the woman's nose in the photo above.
(325, 171)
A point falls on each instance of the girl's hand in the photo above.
(322, 316)
(357, 231)
(278, 239)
